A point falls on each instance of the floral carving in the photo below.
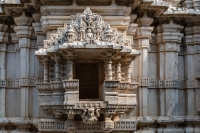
(88, 28)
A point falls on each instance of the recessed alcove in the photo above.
(88, 76)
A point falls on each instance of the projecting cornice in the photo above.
(88, 30)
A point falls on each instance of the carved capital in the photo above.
(38, 28)
(23, 20)
(23, 31)
(143, 32)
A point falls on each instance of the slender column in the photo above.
(118, 71)
(3, 48)
(58, 90)
(105, 70)
(46, 70)
(109, 69)
(71, 85)
(23, 31)
(190, 72)
(128, 71)
(143, 35)
(143, 43)
(69, 68)
(57, 69)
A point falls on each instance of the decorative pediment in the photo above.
(88, 28)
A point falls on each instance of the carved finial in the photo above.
(87, 11)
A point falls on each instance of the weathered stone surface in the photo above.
(100, 66)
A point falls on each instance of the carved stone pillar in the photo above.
(71, 85)
(169, 38)
(142, 36)
(128, 70)
(109, 69)
(46, 70)
(58, 91)
(70, 69)
(190, 73)
(118, 71)
(23, 31)
(3, 48)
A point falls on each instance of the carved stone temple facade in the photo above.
(100, 66)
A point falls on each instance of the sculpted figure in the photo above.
(88, 16)
(89, 37)
(90, 116)
(71, 37)
(109, 34)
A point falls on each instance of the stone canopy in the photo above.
(88, 31)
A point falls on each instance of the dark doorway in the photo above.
(88, 76)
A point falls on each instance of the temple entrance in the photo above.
(88, 76)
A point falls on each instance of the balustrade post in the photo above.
(128, 72)
(118, 71)
(109, 69)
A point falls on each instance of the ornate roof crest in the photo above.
(88, 28)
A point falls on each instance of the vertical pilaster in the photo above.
(23, 31)
(143, 34)
(3, 48)
(169, 39)
(190, 72)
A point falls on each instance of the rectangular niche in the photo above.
(88, 75)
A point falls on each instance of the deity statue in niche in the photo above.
(89, 37)
(90, 116)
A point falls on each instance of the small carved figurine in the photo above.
(89, 37)
(90, 116)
